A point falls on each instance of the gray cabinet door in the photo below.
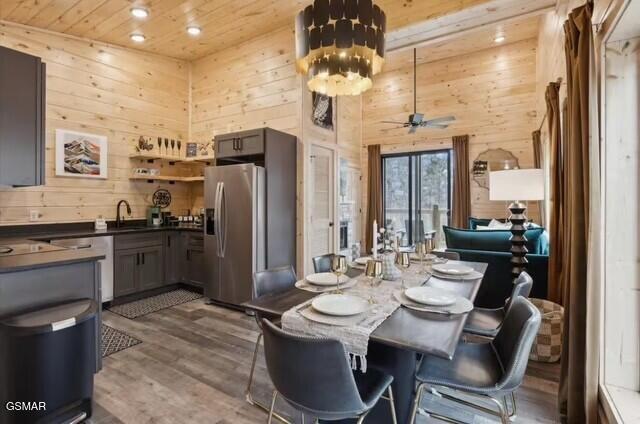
(172, 258)
(150, 269)
(196, 270)
(22, 100)
(244, 143)
(125, 272)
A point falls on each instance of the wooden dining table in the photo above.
(394, 344)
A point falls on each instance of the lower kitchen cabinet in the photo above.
(172, 258)
(150, 270)
(194, 264)
(125, 276)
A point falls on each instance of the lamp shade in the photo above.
(516, 184)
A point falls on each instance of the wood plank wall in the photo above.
(491, 92)
(102, 89)
(254, 85)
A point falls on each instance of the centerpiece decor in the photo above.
(340, 45)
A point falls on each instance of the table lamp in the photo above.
(516, 185)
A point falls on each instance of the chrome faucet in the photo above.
(120, 220)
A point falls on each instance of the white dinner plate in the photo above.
(430, 296)
(325, 279)
(452, 269)
(363, 260)
(341, 305)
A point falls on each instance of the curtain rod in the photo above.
(544, 117)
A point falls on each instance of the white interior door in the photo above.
(321, 203)
(356, 197)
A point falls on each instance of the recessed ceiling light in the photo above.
(140, 12)
(499, 39)
(138, 38)
(194, 30)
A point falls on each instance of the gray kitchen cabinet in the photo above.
(138, 263)
(194, 260)
(243, 143)
(125, 274)
(22, 119)
(150, 269)
(172, 258)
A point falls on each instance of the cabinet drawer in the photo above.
(134, 241)
(195, 241)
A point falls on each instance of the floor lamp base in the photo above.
(518, 240)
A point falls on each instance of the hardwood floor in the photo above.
(192, 367)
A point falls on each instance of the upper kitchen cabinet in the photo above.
(22, 119)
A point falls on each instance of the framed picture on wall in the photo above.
(81, 154)
(322, 110)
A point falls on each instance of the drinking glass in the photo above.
(429, 246)
(339, 267)
(421, 251)
(373, 270)
(159, 145)
(179, 146)
(166, 146)
(403, 260)
(173, 145)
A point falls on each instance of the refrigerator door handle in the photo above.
(216, 220)
(223, 209)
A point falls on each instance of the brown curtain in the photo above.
(557, 184)
(374, 194)
(537, 163)
(461, 202)
(575, 405)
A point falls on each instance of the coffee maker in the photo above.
(154, 213)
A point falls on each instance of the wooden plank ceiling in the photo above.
(224, 23)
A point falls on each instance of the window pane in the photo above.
(397, 195)
(434, 192)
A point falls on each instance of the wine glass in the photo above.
(373, 270)
(339, 267)
(179, 146)
(421, 252)
(166, 146)
(159, 144)
(173, 145)
(403, 260)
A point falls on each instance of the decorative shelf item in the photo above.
(171, 179)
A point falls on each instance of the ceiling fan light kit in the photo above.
(340, 45)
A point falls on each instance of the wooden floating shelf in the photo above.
(171, 179)
(151, 157)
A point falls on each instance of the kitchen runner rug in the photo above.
(138, 308)
(114, 341)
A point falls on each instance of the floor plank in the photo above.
(193, 363)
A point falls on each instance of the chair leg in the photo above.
(253, 368)
(514, 405)
(416, 403)
(273, 405)
(392, 404)
(504, 416)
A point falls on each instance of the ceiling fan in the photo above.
(416, 120)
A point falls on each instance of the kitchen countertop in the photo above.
(44, 233)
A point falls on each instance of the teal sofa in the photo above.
(492, 247)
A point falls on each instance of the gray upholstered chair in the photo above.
(264, 282)
(322, 263)
(490, 370)
(452, 256)
(486, 322)
(314, 376)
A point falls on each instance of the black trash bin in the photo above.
(47, 363)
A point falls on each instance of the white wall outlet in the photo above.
(34, 215)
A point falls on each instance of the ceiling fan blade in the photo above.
(440, 120)
(392, 122)
(413, 129)
(439, 126)
(394, 128)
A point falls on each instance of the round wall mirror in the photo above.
(492, 160)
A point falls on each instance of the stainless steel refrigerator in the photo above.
(235, 235)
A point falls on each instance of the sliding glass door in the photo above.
(417, 194)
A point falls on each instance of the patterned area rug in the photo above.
(114, 341)
(138, 308)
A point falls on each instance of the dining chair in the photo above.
(322, 263)
(487, 371)
(452, 256)
(486, 322)
(273, 280)
(314, 376)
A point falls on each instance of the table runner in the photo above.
(354, 336)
